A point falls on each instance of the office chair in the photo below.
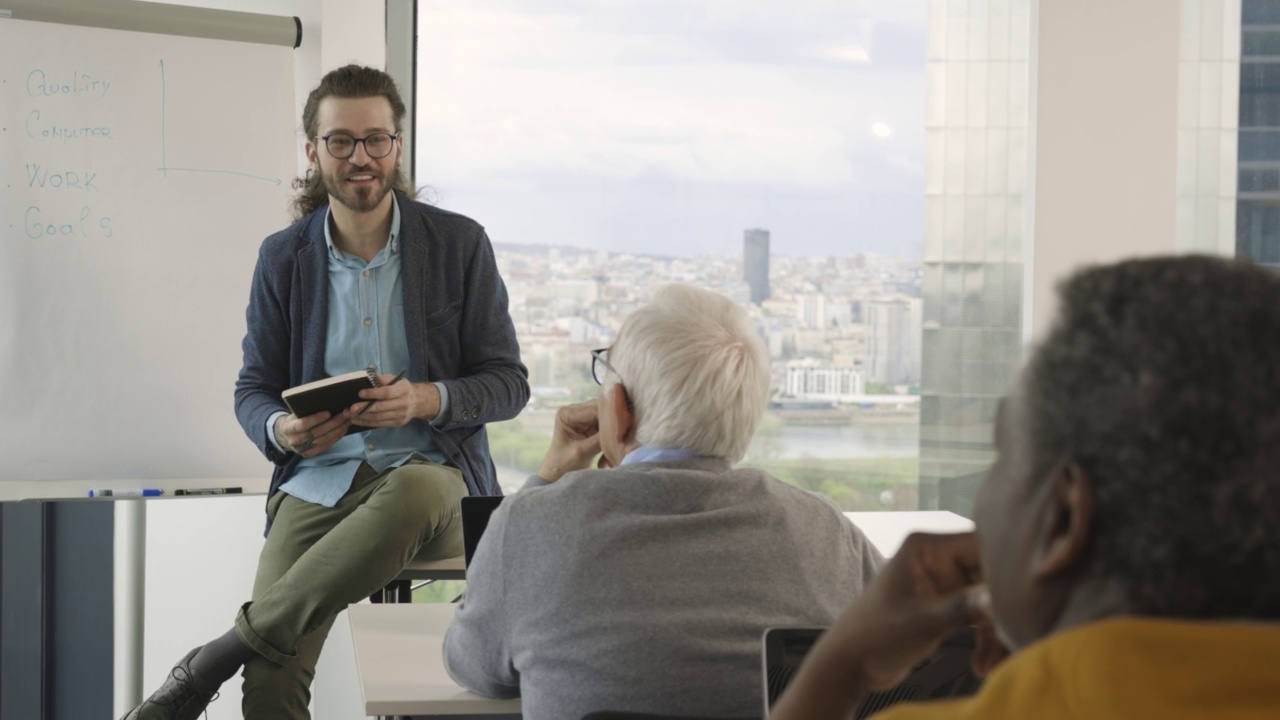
(612, 715)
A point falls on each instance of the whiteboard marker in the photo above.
(145, 492)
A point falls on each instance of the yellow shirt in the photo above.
(1128, 668)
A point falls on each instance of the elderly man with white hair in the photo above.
(642, 582)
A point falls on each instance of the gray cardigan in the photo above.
(456, 320)
(648, 588)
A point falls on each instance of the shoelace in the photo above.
(180, 693)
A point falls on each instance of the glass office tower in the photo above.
(755, 263)
(1208, 100)
(975, 176)
(1258, 200)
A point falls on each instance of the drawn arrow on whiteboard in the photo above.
(164, 160)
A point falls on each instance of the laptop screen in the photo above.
(475, 518)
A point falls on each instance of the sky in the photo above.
(670, 126)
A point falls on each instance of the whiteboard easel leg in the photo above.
(129, 594)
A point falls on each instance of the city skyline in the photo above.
(532, 247)
(563, 300)
(827, 428)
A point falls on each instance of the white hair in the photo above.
(696, 372)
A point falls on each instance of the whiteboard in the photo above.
(139, 173)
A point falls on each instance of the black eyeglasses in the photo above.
(376, 146)
(599, 365)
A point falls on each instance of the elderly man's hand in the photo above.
(576, 441)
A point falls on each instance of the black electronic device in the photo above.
(944, 674)
(475, 518)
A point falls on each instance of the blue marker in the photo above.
(146, 492)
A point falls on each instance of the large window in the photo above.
(773, 152)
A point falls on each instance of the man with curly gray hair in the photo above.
(1126, 550)
(646, 587)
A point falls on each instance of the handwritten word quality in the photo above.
(40, 84)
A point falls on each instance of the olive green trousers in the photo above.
(317, 560)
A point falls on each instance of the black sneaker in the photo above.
(182, 696)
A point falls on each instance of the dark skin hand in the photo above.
(931, 589)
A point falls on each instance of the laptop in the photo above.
(945, 674)
(475, 518)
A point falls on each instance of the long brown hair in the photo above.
(349, 81)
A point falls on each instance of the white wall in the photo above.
(1105, 123)
(353, 31)
(201, 557)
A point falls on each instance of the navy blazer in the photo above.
(455, 312)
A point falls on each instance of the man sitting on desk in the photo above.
(1126, 533)
(367, 278)
(647, 588)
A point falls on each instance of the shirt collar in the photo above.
(656, 454)
(393, 241)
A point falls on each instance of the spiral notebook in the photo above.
(333, 394)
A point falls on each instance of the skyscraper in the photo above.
(811, 310)
(1210, 105)
(1258, 200)
(893, 342)
(755, 263)
(975, 175)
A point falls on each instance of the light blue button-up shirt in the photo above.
(366, 330)
(639, 455)
(645, 453)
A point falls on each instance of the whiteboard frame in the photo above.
(160, 18)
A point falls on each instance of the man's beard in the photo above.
(360, 199)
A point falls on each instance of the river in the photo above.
(814, 441)
(850, 441)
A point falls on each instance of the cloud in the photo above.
(720, 93)
(803, 32)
